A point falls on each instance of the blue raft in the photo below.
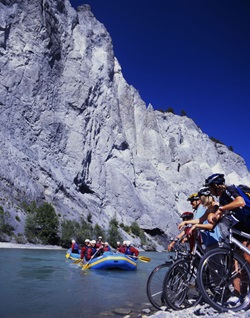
(110, 260)
(73, 256)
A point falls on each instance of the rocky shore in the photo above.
(204, 311)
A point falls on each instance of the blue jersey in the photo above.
(208, 237)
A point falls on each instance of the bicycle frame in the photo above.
(238, 243)
(232, 240)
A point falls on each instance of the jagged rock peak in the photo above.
(76, 134)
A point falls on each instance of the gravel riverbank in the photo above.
(204, 311)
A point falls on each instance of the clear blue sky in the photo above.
(191, 55)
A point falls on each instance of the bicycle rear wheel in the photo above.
(220, 273)
(180, 287)
(155, 285)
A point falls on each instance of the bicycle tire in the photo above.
(155, 285)
(180, 288)
(217, 272)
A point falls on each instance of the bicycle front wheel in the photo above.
(180, 287)
(221, 274)
(155, 285)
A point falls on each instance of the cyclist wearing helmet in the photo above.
(195, 202)
(197, 207)
(183, 235)
(209, 232)
(230, 200)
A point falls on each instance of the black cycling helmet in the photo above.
(193, 197)
(204, 191)
(187, 215)
(216, 178)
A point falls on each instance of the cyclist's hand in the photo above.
(192, 229)
(210, 218)
(213, 217)
(181, 225)
(170, 246)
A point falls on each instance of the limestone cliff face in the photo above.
(76, 134)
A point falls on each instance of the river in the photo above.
(43, 283)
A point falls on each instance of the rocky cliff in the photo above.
(75, 134)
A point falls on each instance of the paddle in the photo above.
(77, 261)
(87, 264)
(141, 258)
(67, 255)
(144, 259)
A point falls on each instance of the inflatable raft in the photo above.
(110, 260)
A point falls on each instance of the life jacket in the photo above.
(89, 252)
(122, 249)
(83, 251)
(75, 248)
(128, 251)
(93, 250)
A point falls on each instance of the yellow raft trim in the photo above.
(111, 258)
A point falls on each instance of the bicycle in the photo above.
(179, 287)
(157, 275)
(222, 269)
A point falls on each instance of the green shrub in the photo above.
(5, 227)
(135, 229)
(72, 229)
(113, 232)
(42, 225)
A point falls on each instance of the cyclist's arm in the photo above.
(206, 226)
(200, 220)
(178, 238)
(194, 221)
(184, 223)
(236, 203)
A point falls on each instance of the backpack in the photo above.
(245, 189)
(244, 192)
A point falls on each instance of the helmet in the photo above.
(187, 215)
(216, 178)
(87, 241)
(93, 242)
(106, 243)
(118, 243)
(128, 243)
(204, 191)
(193, 197)
(100, 237)
(73, 241)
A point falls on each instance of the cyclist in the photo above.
(210, 232)
(195, 202)
(182, 237)
(230, 200)
(197, 207)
